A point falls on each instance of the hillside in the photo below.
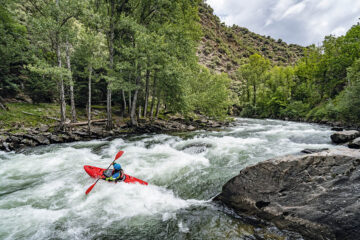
(223, 47)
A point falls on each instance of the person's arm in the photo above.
(111, 177)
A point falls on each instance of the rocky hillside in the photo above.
(223, 47)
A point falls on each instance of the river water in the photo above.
(42, 190)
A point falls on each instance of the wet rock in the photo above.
(96, 132)
(196, 147)
(14, 139)
(72, 137)
(28, 142)
(339, 129)
(66, 138)
(355, 143)
(6, 146)
(316, 195)
(55, 139)
(81, 133)
(38, 138)
(345, 136)
(191, 128)
(309, 150)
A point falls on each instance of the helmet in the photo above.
(117, 166)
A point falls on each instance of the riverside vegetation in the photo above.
(145, 59)
(134, 54)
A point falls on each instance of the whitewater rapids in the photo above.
(42, 190)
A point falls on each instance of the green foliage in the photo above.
(349, 100)
(152, 52)
(323, 86)
(253, 74)
(13, 51)
(294, 110)
(210, 94)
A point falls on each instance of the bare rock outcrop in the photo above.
(317, 195)
(344, 136)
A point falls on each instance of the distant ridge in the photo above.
(222, 48)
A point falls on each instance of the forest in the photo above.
(324, 85)
(140, 58)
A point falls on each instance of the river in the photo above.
(42, 190)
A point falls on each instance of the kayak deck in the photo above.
(96, 172)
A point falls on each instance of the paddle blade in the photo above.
(90, 188)
(119, 154)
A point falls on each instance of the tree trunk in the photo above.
(111, 64)
(157, 107)
(89, 101)
(139, 117)
(61, 85)
(153, 99)
(254, 97)
(108, 109)
(61, 81)
(72, 101)
(130, 102)
(124, 102)
(133, 109)
(133, 106)
(146, 92)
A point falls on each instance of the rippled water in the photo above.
(42, 190)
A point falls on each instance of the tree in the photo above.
(49, 24)
(210, 94)
(91, 50)
(349, 101)
(110, 11)
(254, 74)
(13, 51)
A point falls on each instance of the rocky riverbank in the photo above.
(44, 135)
(315, 194)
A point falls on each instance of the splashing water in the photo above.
(42, 191)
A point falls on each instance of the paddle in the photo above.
(92, 186)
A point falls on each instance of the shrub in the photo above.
(295, 110)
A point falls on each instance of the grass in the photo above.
(16, 120)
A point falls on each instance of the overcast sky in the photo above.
(295, 21)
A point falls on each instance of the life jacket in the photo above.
(115, 175)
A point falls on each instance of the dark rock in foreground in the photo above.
(345, 136)
(317, 195)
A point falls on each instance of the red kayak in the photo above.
(96, 172)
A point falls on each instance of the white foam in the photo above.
(43, 191)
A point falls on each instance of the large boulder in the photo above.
(316, 194)
(345, 136)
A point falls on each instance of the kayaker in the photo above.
(117, 174)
